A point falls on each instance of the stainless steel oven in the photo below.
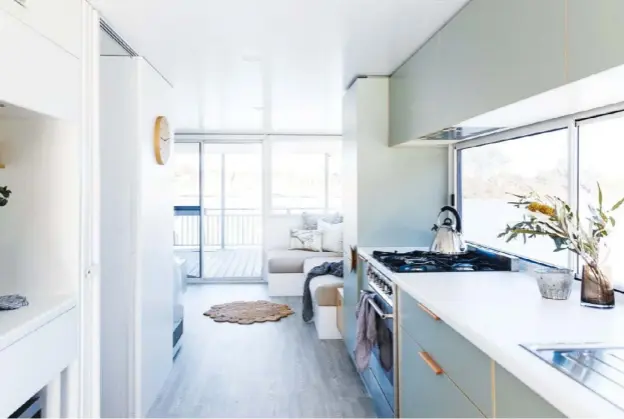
(382, 383)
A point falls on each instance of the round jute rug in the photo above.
(248, 312)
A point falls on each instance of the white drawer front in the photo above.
(37, 74)
(58, 20)
(30, 363)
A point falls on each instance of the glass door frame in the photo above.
(202, 140)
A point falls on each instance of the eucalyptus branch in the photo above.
(551, 216)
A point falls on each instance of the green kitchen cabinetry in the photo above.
(442, 374)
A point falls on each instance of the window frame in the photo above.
(325, 209)
(571, 123)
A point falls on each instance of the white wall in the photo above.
(155, 238)
(40, 240)
(137, 240)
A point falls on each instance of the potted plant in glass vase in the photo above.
(552, 217)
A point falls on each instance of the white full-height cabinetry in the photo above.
(42, 139)
(391, 196)
(40, 46)
(60, 21)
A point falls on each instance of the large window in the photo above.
(489, 173)
(186, 174)
(305, 175)
(568, 162)
(600, 161)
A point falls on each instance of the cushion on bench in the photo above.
(291, 261)
(323, 290)
(313, 262)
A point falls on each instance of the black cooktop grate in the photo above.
(423, 261)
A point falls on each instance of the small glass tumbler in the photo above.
(555, 284)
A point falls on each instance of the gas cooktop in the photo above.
(423, 261)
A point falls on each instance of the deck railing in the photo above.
(222, 228)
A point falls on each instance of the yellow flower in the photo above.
(546, 210)
(541, 208)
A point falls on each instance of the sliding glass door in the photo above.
(232, 211)
(187, 220)
(218, 210)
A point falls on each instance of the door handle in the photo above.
(354, 258)
(429, 312)
(432, 364)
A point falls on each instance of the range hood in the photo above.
(459, 133)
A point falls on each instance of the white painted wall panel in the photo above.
(118, 154)
(39, 244)
(137, 240)
(155, 245)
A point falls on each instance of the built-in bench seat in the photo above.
(324, 297)
(286, 273)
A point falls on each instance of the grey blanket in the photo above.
(327, 268)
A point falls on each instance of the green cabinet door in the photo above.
(422, 393)
(516, 400)
(595, 31)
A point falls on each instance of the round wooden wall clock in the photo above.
(163, 140)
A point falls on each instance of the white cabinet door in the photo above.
(30, 363)
(58, 20)
(36, 74)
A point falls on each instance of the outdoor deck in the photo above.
(225, 264)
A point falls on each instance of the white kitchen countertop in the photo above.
(498, 311)
(15, 324)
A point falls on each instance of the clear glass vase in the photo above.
(555, 284)
(597, 287)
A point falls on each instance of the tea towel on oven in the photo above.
(384, 341)
(366, 335)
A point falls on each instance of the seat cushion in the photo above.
(310, 263)
(291, 261)
(323, 289)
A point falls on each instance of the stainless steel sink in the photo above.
(597, 366)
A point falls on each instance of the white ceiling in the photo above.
(283, 65)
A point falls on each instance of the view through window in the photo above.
(306, 176)
(490, 172)
(600, 160)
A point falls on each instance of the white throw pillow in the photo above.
(306, 240)
(332, 236)
(310, 221)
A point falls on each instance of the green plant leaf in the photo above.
(618, 204)
(599, 195)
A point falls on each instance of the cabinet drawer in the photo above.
(463, 362)
(516, 400)
(423, 393)
(37, 74)
(58, 20)
(29, 363)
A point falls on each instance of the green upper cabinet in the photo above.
(491, 54)
(596, 29)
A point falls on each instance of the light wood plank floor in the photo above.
(226, 263)
(263, 370)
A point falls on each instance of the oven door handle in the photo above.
(379, 311)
